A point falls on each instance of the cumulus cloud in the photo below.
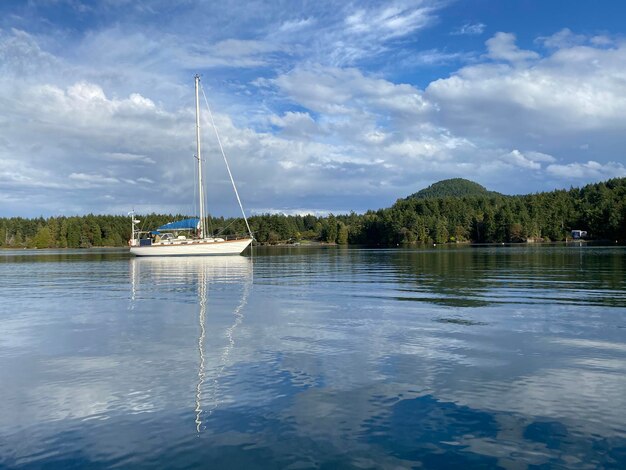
(562, 39)
(435, 146)
(502, 47)
(334, 90)
(77, 139)
(306, 120)
(575, 95)
(98, 120)
(295, 123)
(589, 171)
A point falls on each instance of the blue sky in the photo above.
(322, 106)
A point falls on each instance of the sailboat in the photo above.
(167, 240)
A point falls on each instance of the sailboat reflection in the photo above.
(196, 275)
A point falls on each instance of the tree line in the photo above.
(599, 209)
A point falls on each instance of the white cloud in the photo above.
(296, 211)
(575, 93)
(337, 91)
(128, 157)
(145, 180)
(435, 57)
(470, 29)
(367, 31)
(103, 121)
(376, 136)
(87, 92)
(234, 53)
(291, 26)
(528, 160)
(295, 123)
(63, 143)
(539, 157)
(309, 117)
(589, 171)
(438, 145)
(502, 47)
(562, 39)
(93, 180)
(602, 41)
(21, 55)
(391, 20)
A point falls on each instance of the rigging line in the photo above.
(219, 141)
(228, 349)
(209, 221)
(222, 231)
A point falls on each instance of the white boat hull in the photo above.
(201, 248)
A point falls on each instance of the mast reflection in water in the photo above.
(183, 273)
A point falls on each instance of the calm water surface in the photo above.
(485, 357)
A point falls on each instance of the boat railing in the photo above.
(234, 237)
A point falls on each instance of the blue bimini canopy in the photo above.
(185, 224)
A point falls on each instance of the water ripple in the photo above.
(305, 357)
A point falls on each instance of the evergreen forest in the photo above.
(451, 211)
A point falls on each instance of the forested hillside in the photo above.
(600, 209)
(483, 217)
(455, 187)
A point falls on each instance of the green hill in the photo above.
(454, 187)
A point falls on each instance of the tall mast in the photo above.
(199, 157)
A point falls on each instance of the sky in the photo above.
(321, 106)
